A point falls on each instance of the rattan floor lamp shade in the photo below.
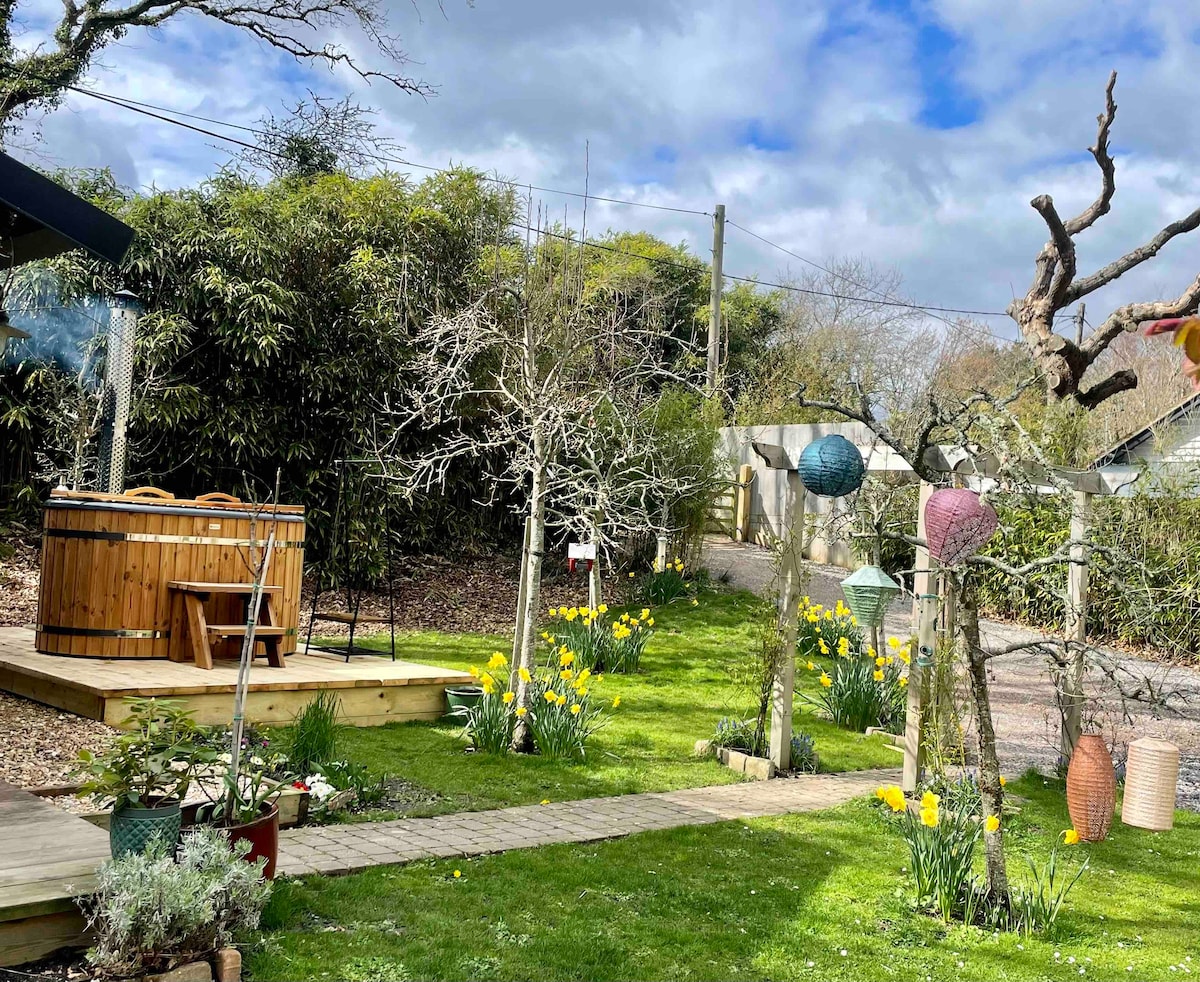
(831, 467)
(1151, 776)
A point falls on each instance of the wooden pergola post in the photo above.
(1071, 697)
(925, 611)
(783, 689)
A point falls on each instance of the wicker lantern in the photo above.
(957, 523)
(1151, 774)
(831, 467)
(868, 592)
(1091, 788)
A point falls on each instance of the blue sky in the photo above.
(909, 132)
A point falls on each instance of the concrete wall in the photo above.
(770, 496)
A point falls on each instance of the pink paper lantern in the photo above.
(957, 523)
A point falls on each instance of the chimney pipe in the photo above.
(118, 390)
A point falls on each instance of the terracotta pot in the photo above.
(1091, 788)
(263, 836)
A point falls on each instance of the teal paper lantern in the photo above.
(868, 592)
(831, 467)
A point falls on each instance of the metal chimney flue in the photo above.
(117, 394)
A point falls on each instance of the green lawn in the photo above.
(676, 699)
(818, 896)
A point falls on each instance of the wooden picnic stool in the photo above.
(191, 632)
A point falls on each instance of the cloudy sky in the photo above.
(910, 132)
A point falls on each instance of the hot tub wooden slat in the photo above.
(106, 561)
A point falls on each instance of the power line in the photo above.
(144, 107)
(155, 112)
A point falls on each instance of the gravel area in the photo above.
(1026, 720)
(39, 745)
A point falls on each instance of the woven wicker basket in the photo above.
(1151, 775)
(1091, 788)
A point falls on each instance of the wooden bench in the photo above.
(191, 632)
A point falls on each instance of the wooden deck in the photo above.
(373, 691)
(48, 858)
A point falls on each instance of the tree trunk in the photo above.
(989, 763)
(526, 643)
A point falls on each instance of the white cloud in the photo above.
(665, 94)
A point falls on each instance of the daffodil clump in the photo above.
(600, 641)
(561, 712)
(941, 842)
(859, 687)
(491, 721)
(659, 587)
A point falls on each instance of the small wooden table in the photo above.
(190, 630)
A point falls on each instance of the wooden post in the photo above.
(783, 689)
(925, 628)
(741, 512)
(714, 312)
(1071, 697)
(594, 593)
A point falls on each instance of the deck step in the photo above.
(239, 630)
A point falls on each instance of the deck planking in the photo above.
(49, 858)
(373, 691)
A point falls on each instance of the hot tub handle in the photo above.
(149, 492)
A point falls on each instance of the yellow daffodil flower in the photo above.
(645, 613)
(549, 697)
(810, 666)
(992, 823)
(544, 801)
(1003, 780)
(566, 658)
(602, 609)
(562, 611)
(929, 817)
(521, 711)
(877, 675)
(523, 674)
(509, 697)
(930, 800)
(880, 661)
(560, 701)
(616, 702)
(576, 709)
(893, 797)
(902, 681)
(457, 873)
(497, 660)
(826, 680)
(566, 675)
(1070, 837)
(474, 672)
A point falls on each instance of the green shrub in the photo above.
(941, 843)
(150, 912)
(659, 587)
(313, 736)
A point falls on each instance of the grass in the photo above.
(819, 896)
(676, 699)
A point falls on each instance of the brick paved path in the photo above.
(343, 848)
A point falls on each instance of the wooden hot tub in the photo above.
(107, 560)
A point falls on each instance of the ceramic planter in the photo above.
(461, 699)
(131, 830)
(263, 836)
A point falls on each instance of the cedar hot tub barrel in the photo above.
(107, 560)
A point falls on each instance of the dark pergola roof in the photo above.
(40, 219)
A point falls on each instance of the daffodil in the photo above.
(602, 609)
(523, 674)
(645, 613)
(992, 823)
(474, 672)
(497, 660)
(457, 873)
(826, 680)
(877, 675)
(930, 800)
(810, 666)
(1070, 837)
(566, 675)
(880, 661)
(562, 611)
(616, 702)
(1003, 780)
(549, 697)
(560, 701)
(893, 797)
(566, 658)
(544, 801)
(695, 602)
(902, 681)
(929, 817)
(576, 709)
(521, 711)
(650, 623)
(509, 697)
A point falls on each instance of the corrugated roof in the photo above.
(1120, 453)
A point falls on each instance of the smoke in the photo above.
(64, 331)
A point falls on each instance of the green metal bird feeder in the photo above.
(868, 592)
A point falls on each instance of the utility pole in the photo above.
(714, 316)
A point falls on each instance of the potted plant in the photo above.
(246, 811)
(145, 773)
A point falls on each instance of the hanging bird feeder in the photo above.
(869, 591)
(831, 467)
(957, 524)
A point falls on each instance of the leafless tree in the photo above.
(561, 394)
(1065, 361)
(298, 27)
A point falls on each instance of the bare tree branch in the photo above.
(1108, 186)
